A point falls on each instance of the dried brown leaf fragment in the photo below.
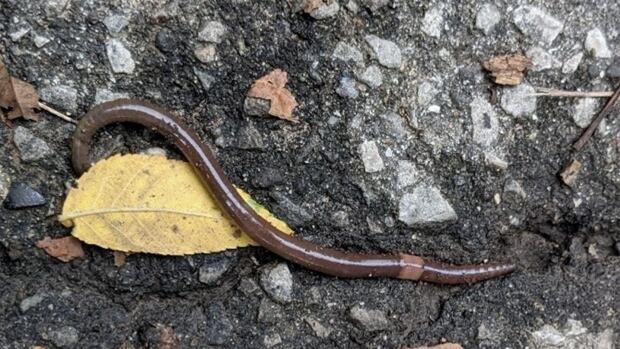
(271, 87)
(507, 69)
(18, 96)
(66, 249)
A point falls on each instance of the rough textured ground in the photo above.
(436, 160)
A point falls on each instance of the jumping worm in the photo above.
(312, 256)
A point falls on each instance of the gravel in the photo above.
(371, 76)
(517, 101)
(31, 148)
(597, 44)
(433, 22)
(64, 337)
(537, 24)
(425, 205)
(368, 319)
(347, 88)
(105, 95)
(5, 184)
(206, 53)
(277, 282)
(541, 59)
(120, 57)
(327, 9)
(63, 96)
(585, 110)
(371, 157)
(387, 52)
(212, 31)
(211, 272)
(347, 53)
(22, 196)
(115, 23)
(487, 18)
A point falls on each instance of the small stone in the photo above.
(518, 101)
(407, 174)
(256, 106)
(30, 302)
(65, 336)
(427, 90)
(570, 171)
(513, 191)
(371, 76)
(206, 53)
(387, 52)
(352, 6)
(212, 31)
(249, 137)
(248, 287)
(211, 273)
(433, 22)
(19, 33)
(155, 151)
(537, 24)
(119, 57)
(295, 214)
(219, 328)
(369, 319)
(5, 184)
(277, 282)
(346, 53)
(55, 8)
(271, 340)
(104, 95)
(395, 124)
(485, 122)
(487, 18)
(40, 40)
(572, 335)
(585, 109)
(340, 219)
(326, 10)
(347, 88)
(425, 205)
(267, 178)
(60, 95)
(370, 156)
(495, 161)
(541, 59)
(22, 196)
(572, 63)
(206, 80)
(614, 69)
(166, 41)
(31, 148)
(115, 23)
(318, 329)
(269, 312)
(597, 44)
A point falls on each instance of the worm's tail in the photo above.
(444, 273)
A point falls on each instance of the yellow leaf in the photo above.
(142, 203)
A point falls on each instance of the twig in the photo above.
(56, 113)
(597, 120)
(550, 92)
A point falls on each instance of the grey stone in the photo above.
(340, 219)
(40, 40)
(248, 287)
(256, 106)
(212, 31)
(210, 273)
(269, 312)
(425, 205)
(371, 76)
(206, 53)
(60, 95)
(387, 52)
(518, 101)
(352, 6)
(206, 80)
(513, 191)
(64, 337)
(369, 319)
(115, 23)
(597, 44)
(395, 124)
(487, 17)
(613, 71)
(166, 41)
(30, 302)
(407, 174)
(371, 157)
(495, 160)
(427, 90)
(55, 8)
(374, 5)
(104, 95)
(31, 147)
(249, 137)
(119, 57)
(585, 109)
(346, 52)
(326, 10)
(5, 184)
(219, 328)
(318, 328)
(572, 336)
(485, 122)
(572, 63)
(277, 282)
(537, 24)
(19, 33)
(23, 196)
(432, 22)
(295, 214)
(541, 59)
(347, 88)
(271, 340)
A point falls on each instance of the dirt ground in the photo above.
(379, 124)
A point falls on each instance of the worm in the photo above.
(294, 249)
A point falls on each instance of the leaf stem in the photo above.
(56, 113)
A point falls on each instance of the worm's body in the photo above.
(323, 259)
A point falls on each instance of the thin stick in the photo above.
(56, 113)
(550, 92)
(597, 120)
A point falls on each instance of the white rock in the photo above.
(104, 95)
(537, 24)
(427, 90)
(19, 33)
(407, 174)
(597, 44)
(206, 53)
(487, 18)
(541, 59)
(387, 52)
(572, 63)
(212, 31)
(119, 57)
(40, 40)
(347, 88)
(115, 23)
(371, 157)
(517, 101)
(425, 205)
(206, 79)
(371, 76)
(346, 52)
(433, 22)
(326, 10)
(585, 109)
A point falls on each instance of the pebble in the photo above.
(572, 63)
(119, 57)
(371, 158)
(433, 22)
(31, 148)
(487, 17)
(267, 177)
(30, 302)
(248, 287)
(614, 69)
(19, 34)
(537, 24)
(513, 191)
(23, 196)
(5, 184)
(346, 52)
(60, 95)
(206, 53)
(425, 205)
(387, 52)
(585, 109)
(597, 44)
(269, 312)
(271, 340)
(40, 40)
(340, 219)
(368, 319)
(371, 76)
(326, 10)
(206, 79)
(212, 271)
(277, 282)
(115, 23)
(427, 90)
(166, 41)
(64, 337)
(212, 31)
(541, 59)
(572, 335)
(485, 122)
(104, 95)
(395, 125)
(248, 137)
(295, 214)
(318, 328)
(256, 106)
(495, 161)
(407, 174)
(54, 8)
(517, 101)
(347, 88)
(352, 6)
(219, 328)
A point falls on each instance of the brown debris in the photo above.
(17, 95)
(66, 249)
(507, 69)
(271, 87)
(609, 106)
(311, 5)
(119, 258)
(570, 172)
(167, 338)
